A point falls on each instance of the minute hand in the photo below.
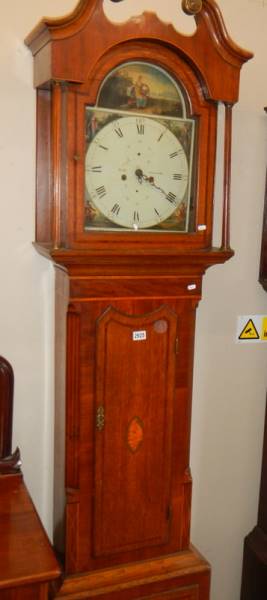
(170, 196)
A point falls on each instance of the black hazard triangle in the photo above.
(249, 332)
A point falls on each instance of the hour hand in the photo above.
(142, 177)
(151, 180)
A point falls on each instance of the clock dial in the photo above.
(136, 171)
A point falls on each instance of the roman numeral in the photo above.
(118, 131)
(136, 216)
(94, 169)
(116, 209)
(180, 176)
(176, 153)
(161, 135)
(103, 147)
(157, 212)
(171, 197)
(101, 191)
(140, 127)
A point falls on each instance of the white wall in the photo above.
(230, 379)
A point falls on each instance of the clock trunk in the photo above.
(128, 419)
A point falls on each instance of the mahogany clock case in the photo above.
(126, 295)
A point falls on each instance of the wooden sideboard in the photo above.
(27, 562)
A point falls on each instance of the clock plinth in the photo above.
(127, 122)
(184, 576)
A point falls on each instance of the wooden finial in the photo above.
(192, 7)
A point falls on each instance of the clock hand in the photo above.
(151, 180)
(142, 177)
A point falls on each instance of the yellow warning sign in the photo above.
(264, 329)
(250, 331)
(251, 328)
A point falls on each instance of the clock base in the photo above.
(181, 576)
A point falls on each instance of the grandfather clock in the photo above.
(126, 140)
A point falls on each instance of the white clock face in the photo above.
(136, 171)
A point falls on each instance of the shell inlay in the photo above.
(135, 434)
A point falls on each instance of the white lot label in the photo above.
(139, 336)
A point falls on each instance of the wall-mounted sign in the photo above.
(252, 328)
